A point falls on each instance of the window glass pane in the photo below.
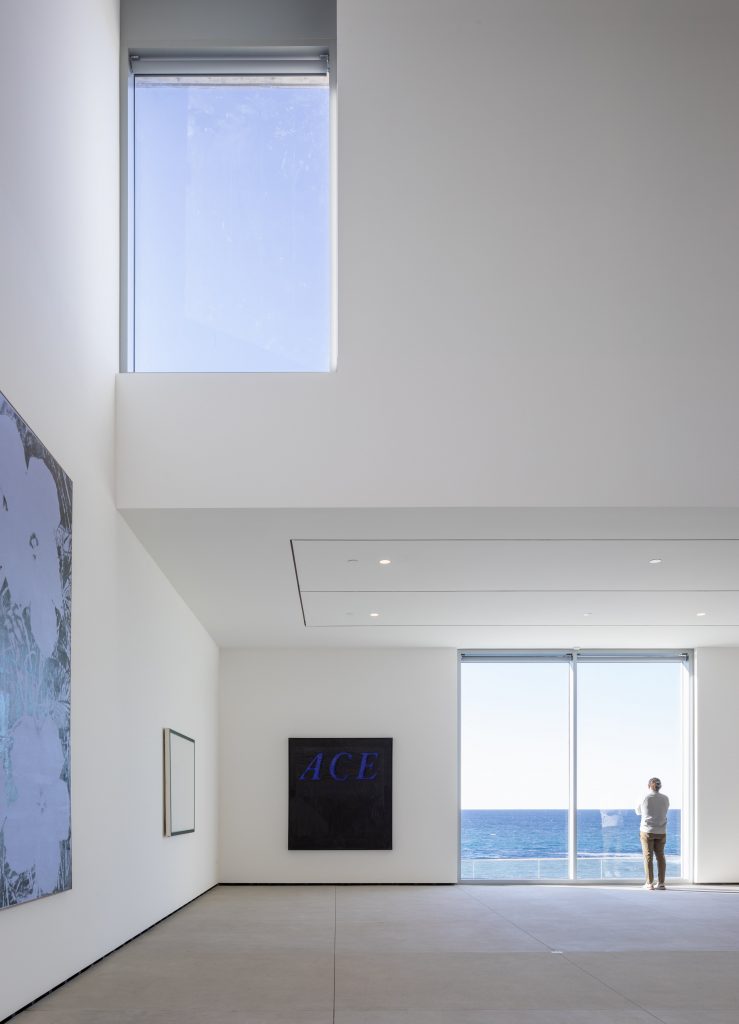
(629, 729)
(232, 234)
(515, 770)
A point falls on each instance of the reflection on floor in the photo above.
(421, 955)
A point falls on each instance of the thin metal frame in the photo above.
(573, 655)
(687, 821)
(168, 832)
(572, 742)
(300, 62)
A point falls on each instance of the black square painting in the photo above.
(341, 794)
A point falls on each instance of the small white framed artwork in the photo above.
(179, 783)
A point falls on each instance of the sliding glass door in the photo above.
(556, 750)
(515, 769)
(629, 729)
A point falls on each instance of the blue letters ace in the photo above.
(313, 771)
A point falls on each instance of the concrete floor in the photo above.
(420, 955)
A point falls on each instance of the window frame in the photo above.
(265, 61)
(573, 655)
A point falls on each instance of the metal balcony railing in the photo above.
(591, 867)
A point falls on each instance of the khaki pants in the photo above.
(654, 843)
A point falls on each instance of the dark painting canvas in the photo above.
(341, 794)
(35, 640)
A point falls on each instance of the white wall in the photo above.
(269, 696)
(538, 236)
(219, 24)
(140, 661)
(716, 764)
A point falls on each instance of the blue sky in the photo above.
(515, 722)
(232, 227)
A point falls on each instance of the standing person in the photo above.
(653, 832)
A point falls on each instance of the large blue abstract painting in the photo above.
(35, 677)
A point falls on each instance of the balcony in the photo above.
(590, 867)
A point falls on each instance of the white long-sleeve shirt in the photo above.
(653, 810)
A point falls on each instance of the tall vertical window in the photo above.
(629, 728)
(556, 751)
(230, 182)
(515, 770)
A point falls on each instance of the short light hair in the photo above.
(655, 782)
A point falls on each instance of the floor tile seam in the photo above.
(204, 1012)
(616, 951)
(436, 923)
(663, 951)
(569, 961)
(464, 955)
(600, 981)
(503, 917)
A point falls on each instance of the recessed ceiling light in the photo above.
(374, 615)
(384, 561)
(586, 614)
(655, 561)
(700, 614)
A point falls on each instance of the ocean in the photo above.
(533, 844)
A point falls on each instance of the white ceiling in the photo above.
(457, 577)
(516, 564)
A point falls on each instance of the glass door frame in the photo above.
(573, 655)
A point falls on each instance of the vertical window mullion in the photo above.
(572, 810)
(687, 819)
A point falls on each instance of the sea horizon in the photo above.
(514, 833)
(532, 843)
